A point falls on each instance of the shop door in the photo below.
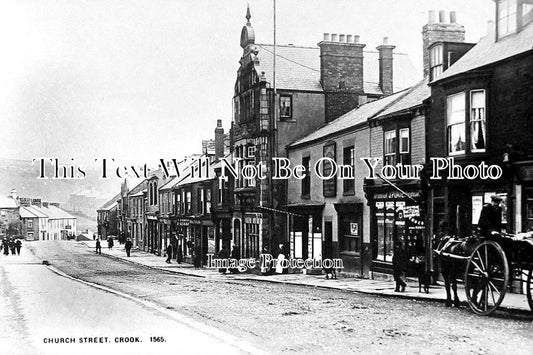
(328, 241)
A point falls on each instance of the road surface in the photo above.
(276, 318)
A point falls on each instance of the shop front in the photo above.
(396, 216)
(349, 244)
(305, 231)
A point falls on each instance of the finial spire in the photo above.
(248, 16)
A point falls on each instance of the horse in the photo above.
(451, 268)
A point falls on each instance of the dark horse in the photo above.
(445, 248)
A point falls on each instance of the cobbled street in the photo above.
(286, 318)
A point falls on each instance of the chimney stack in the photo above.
(219, 140)
(441, 31)
(341, 73)
(14, 194)
(386, 67)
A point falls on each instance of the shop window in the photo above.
(306, 181)
(478, 126)
(435, 61)
(398, 220)
(456, 124)
(350, 235)
(348, 159)
(285, 107)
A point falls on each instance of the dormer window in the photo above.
(506, 14)
(513, 16)
(435, 61)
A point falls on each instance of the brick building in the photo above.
(309, 87)
(481, 114)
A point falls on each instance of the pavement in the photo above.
(512, 302)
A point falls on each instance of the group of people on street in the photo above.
(490, 220)
(225, 254)
(11, 245)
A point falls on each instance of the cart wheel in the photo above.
(486, 277)
(529, 290)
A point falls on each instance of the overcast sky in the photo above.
(140, 80)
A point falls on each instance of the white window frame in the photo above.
(390, 146)
(473, 150)
(448, 125)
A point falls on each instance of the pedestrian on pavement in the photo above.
(12, 246)
(223, 254)
(168, 251)
(179, 257)
(5, 245)
(18, 245)
(235, 254)
(98, 246)
(197, 257)
(128, 246)
(399, 266)
(110, 243)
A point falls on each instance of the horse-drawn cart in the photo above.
(492, 266)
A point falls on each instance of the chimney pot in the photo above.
(453, 17)
(442, 16)
(349, 38)
(326, 37)
(385, 40)
(431, 16)
(333, 37)
(342, 38)
(356, 38)
(219, 123)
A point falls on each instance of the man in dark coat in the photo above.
(5, 245)
(168, 251)
(98, 246)
(128, 246)
(18, 245)
(235, 254)
(490, 218)
(399, 266)
(223, 254)
(12, 246)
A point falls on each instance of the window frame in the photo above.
(386, 146)
(306, 181)
(439, 57)
(283, 117)
(348, 187)
(509, 16)
(467, 123)
(463, 122)
(484, 120)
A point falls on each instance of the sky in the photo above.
(140, 80)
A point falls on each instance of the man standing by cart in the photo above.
(490, 218)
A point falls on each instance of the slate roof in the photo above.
(27, 213)
(298, 68)
(412, 98)
(488, 51)
(55, 213)
(109, 204)
(351, 119)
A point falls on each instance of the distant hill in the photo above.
(22, 176)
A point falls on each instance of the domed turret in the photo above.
(247, 33)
